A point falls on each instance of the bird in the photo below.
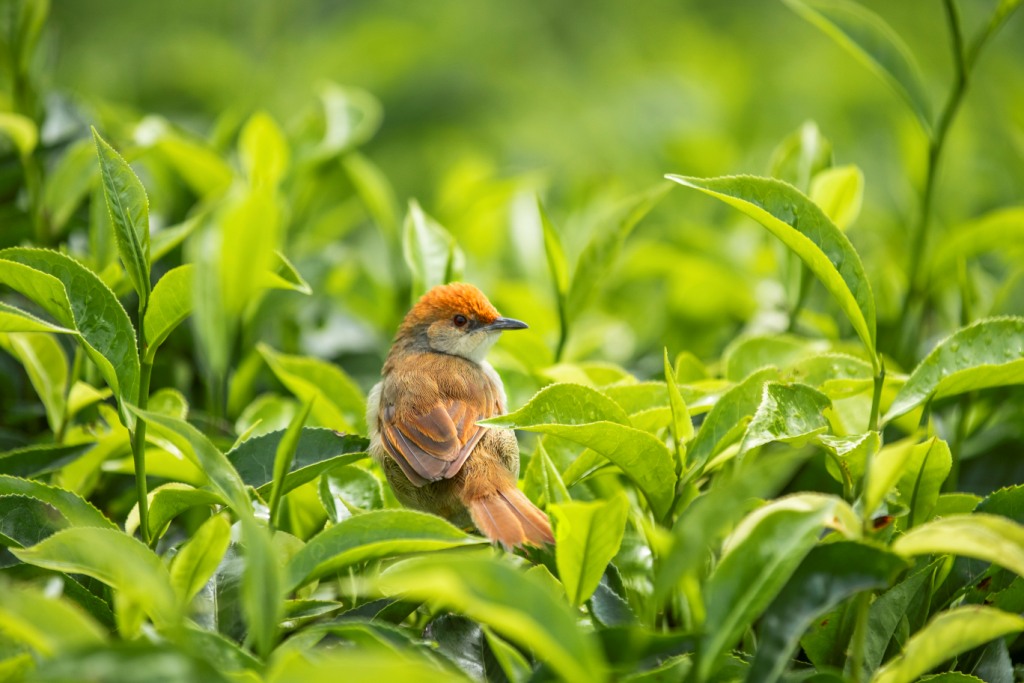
(422, 417)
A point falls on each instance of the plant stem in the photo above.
(936, 145)
(563, 329)
(139, 451)
(876, 396)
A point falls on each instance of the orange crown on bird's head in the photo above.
(444, 301)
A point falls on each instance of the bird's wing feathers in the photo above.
(432, 445)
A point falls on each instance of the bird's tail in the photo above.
(508, 517)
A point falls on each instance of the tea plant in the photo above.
(185, 492)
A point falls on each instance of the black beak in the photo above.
(506, 324)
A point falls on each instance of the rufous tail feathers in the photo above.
(508, 517)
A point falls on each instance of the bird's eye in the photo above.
(460, 320)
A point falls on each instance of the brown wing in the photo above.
(432, 445)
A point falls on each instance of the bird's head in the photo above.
(456, 319)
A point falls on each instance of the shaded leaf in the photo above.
(32, 461)
(828, 575)
(318, 451)
(71, 505)
(46, 365)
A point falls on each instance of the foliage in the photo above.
(769, 450)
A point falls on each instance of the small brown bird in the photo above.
(422, 417)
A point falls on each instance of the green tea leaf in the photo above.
(734, 407)
(20, 130)
(375, 190)
(712, 514)
(351, 117)
(68, 184)
(587, 537)
(44, 361)
(921, 481)
(169, 304)
(198, 557)
(318, 451)
(49, 625)
(202, 169)
(78, 300)
(603, 249)
(361, 666)
(263, 150)
(951, 632)
(886, 467)
(989, 353)
(516, 605)
(839, 192)
(378, 534)
(789, 215)
(128, 662)
(867, 37)
(31, 461)
(71, 505)
(338, 404)
(759, 557)
(250, 232)
(129, 213)
(790, 413)
(167, 502)
(564, 404)
(991, 232)
(15, 320)
(346, 491)
(828, 575)
(801, 155)
(262, 591)
(197, 447)
(114, 558)
(985, 537)
(25, 521)
(284, 458)
(433, 256)
(542, 482)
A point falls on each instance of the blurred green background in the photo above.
(487, 104)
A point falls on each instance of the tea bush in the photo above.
(765, 457)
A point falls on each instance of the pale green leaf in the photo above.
(71, 505)
(804, 228)
(984, 537)
(169, 304)
(430, 251)
(262, 590)
(874, 43)
(374, 535)
(49, 625)
(15, 320)
(516, 605)
(69, 182)
(564, 404)
(129, 214)
(167, 502)
(951, 632)
(263, 150)
(198, 557)
(360, 665)
(284, 457)
(339, 403)
(587, 537)
(801, 155)
(114, 558)
(886, 467)
(789, 413)
(20, 130)
(839, 192)
(988, 353)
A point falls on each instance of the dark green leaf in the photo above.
(318, 451)
(71, 505)
(26, 521)
(828, 575)
(32, 461)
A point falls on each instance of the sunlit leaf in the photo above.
(430, 251)
(804, 228)
(360, 666)
(868, 38)
(129, 213)
(516, 605)
(49, 625)
(587, 537)
(839, 192)
(78, 300)
(284, 458)
(72, 506)
(198, 557)
(20, 130)
(951, 632)
(989, 353)
(986, 537)
(790, 413)
(383, 533)
(802, 155)
(169, 304)
(263, 150)
(114, 558)
(338, 404)
(167, 502)
(128, 662)
(69, 182)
